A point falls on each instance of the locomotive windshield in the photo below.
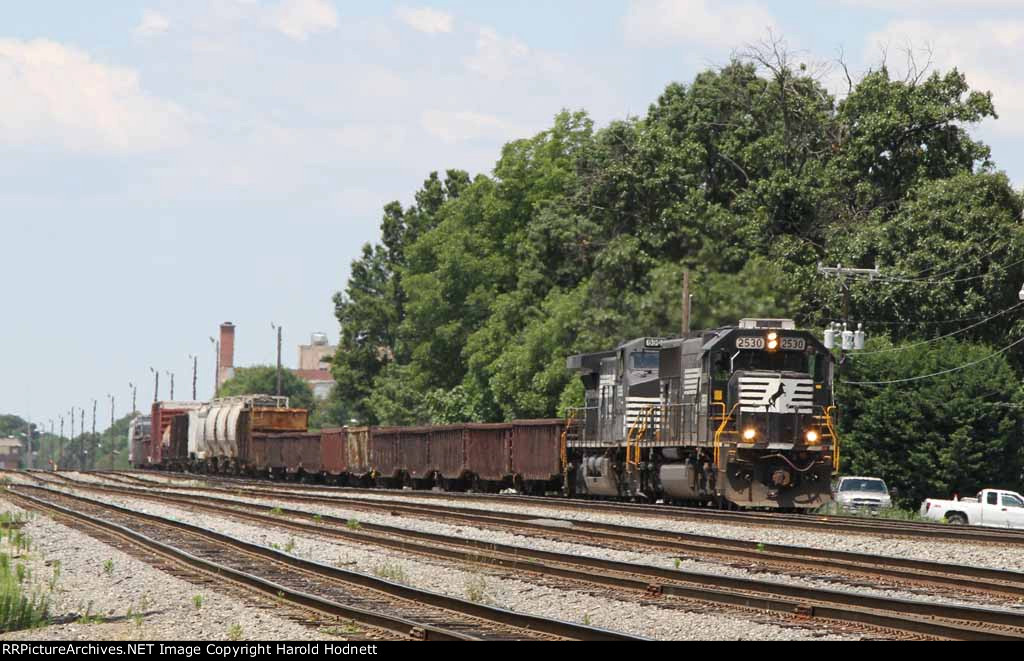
(645, 360)
(778, 361)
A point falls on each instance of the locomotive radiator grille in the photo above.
(766, 394)
(636, 407)
(691, 381)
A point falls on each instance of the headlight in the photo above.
(773, 342)
(812, 436)
(749, 434)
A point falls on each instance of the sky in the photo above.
(167, 165)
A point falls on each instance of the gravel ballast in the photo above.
(542, 597)
(97, 592)
(994, 556)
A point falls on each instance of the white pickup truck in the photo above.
(992, 507)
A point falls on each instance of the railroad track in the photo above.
(916, 617)
(368, 600)
(814, 522)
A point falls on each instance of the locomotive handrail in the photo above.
(563, 449)
(637, 431)
(721, 430)
(835, 437)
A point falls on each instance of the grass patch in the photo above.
(391, 572)
(197, 601)
(476, 589)
(349, 629)
(353, 524)
(18, 608)
(235, 632)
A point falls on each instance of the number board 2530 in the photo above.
(793, 344)
(750, 343)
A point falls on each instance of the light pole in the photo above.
(93, 442)
(60, 444)
(278, 329)
(216, 367)
(81, 447)
(171, 374)
(71, 438)
(112, 436)
(131, 386)
(156, 387)
(195, 373)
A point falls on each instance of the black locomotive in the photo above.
(738, 416)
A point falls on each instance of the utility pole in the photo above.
(844, 275)
(60, 444)
(112, 436)
(195, 372)
(850, 340)
(28, 444)
(131, 386)
(278, 328)
(687, 302)
(156, 388)
(171, 374)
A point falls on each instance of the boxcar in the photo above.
(163, 415)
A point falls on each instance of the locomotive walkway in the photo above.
(906, 616)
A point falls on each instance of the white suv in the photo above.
(862, 493)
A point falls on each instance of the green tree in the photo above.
(262, 380)
(957, 432)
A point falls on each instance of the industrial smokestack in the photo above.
(226, 368)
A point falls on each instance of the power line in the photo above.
(942, 373)
(937, 339)
(933, 280)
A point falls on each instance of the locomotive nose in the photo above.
(782, 478)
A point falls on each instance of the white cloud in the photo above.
(912, 5)
(986, 51)
(461, 126)
(299, 19)
(678, 22)
(425, 19)
(58, 96)
(500, 58)
(152, 24)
